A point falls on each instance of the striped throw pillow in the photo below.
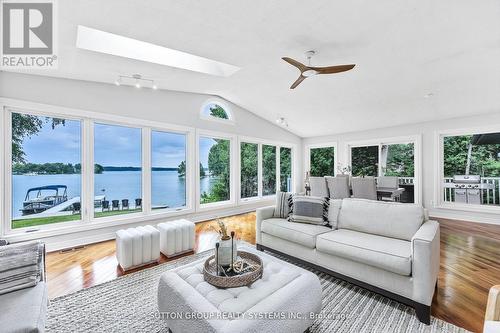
(312, 210)
(283, 204)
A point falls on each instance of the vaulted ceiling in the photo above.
(416, 60)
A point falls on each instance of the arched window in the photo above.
(216, 110)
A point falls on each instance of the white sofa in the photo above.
(389, 248)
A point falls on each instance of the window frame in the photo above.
(232, 170)
(417, 147)
(438, 201)
(188, 176)
(307, 154)
(231, 120)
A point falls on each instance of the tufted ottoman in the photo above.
(176, 237)
(137, 246)
(282, 301)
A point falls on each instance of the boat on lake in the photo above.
(39, 199)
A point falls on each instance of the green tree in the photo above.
(400, 160)
(322, 161)
(249, 169)
(202, 171)
(98, 169)
(364, 161)
(25, 126)
(217, 111)
(285, 168)
(181, 169)
(268, 170)
(218, 166)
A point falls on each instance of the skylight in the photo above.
(108, 43)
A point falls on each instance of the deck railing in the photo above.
(490, 196)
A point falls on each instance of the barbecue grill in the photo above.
(469, 189)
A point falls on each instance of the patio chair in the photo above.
(115, 204)
(338, 187)
(364, 188)
(138, 203)
(77, 207)
(105, 205)
(125, 204)
(389, 182)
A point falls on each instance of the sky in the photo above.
(205, 145)
(114, 145)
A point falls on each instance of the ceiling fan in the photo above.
(307, 71)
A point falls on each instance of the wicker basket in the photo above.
(244, 279)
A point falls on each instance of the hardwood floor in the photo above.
(470, 265)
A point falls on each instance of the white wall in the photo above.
(167, 107)
(428, 131)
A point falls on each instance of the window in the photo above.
(398, 160)
(268, 170)
(168, 170)
(249, 157)
(215, 110)
(322, 161)
(285, 169)
(215, 166)
(478, 157)
(46, 170)
(364, 161)
(117, 170)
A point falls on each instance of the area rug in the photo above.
(129, 304)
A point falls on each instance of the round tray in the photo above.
(239, 280)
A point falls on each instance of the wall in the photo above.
(428, 132)
(159, 106)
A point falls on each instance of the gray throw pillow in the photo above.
(312, 210)
(283, 204)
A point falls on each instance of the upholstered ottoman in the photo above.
(284, 300)
(137, 246)
(176, 237)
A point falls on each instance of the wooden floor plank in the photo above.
(470, 265)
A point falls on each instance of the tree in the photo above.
(249, 169)
(285, 168)
(202, 171)
(181, 169)
(98, 169)
(218, 166)
(322, 162)
(268, 169)
(400, 160)
(25, 126)
(217, 111)
(364, 161)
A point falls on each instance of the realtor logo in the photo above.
(28, 35)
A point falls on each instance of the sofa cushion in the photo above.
(24, 310)
(300, 233)
(283, 204)
(308, 209)
(391, 219)
(393, 255)
(333, 212)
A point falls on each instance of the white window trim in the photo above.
(307, 155)
(88, 118)
(231, 119)
(417, 146)
(232, 170)
(438, 201)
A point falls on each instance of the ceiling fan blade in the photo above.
(297, 82)
(295, 63)
(333, 69)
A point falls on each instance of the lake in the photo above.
(167, 187)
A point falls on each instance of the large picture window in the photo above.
(285, 169)
(168, 170)
(249, 159)
(215, 169)
(268, 170)
(46, 170)
(117, 170)
(364, 161)
(471, 169)
(322, 161)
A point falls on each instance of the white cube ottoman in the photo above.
(282, 301)
(137, 246)
(176, 237)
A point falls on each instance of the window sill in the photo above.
(470, 208)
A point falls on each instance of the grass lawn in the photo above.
(65, 218)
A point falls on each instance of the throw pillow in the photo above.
(333, 212)
(283, 204)
(312, 210)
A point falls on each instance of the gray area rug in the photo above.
(129, 304)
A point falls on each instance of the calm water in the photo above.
(167, 187)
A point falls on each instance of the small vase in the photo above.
(225, 252)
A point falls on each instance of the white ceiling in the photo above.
(403, 50)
